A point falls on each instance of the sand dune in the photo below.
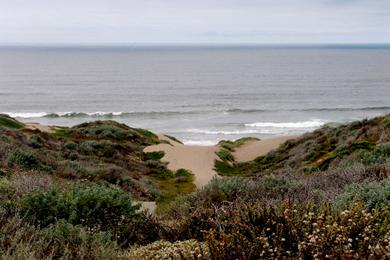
(200, 159)
(255, 148)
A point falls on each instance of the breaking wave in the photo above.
(304, 124)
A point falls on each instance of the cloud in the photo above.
(159, 21)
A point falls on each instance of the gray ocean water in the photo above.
(198, 94)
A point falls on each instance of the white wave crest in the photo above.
(304, 124)
(233, 132)
(26, 114)
(200, 143)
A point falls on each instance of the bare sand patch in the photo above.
(37, 126)
(255, 148)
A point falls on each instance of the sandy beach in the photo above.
(200, 159)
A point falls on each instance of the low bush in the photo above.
(372, 195)
(69, 241)
(256, 231)
(86, 204)
(155, 155)
(227, 189)
(18, 240)
(379, 155)
(25, 158)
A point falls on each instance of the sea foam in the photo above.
(304, 124)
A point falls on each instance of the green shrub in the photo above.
(36, 141)
(379, 155)
(68, 240)
(228, 189)
(102, 148)
(19, 240)
(155, 155)
(70, 145)
(87, 204)
(372, 195)
(183, 173)
(25, 158)
(275, 185)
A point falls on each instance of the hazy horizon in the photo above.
(203, 22)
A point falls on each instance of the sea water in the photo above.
(199, 94)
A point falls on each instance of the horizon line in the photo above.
(191, 45)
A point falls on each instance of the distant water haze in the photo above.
(197, 94)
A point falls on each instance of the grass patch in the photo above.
(179, 183)
(224, 168)
(232, 145)
(225, 155)
(9, 122)
(63, 132)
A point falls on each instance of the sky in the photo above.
(195, 21)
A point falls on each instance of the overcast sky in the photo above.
(195, 21)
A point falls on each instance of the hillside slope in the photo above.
(322, 149)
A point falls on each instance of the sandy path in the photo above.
(37, 126)
(198, 159)
(255, 148)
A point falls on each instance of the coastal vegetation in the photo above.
(75, 193)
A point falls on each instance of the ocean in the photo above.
(199, 94)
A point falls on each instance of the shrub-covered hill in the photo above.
(101, 151)
(324, 149)
(69, 194)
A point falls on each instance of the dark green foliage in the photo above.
(9, 122)
(25, 158)
(87, 204)
(155, 155)
(183, 173)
